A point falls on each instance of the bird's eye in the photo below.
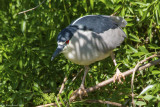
(67, 41)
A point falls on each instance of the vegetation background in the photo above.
(27, 41)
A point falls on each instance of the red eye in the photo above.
(67, 41)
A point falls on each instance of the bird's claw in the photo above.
(118, 76)
(80, 91)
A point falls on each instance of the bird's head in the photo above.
(63, 40)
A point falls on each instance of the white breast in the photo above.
(83, 48)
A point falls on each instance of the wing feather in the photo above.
(109, 40)
(98, 23)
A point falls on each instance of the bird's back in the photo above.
(99, 23)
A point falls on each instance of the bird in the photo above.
(91, 38)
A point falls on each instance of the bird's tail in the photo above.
(119, 20)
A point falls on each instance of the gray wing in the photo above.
(109, 39)
(99, 23)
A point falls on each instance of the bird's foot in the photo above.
(80, 91)
(118, 76)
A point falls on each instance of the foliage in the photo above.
(27, 42)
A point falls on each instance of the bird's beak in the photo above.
(58, 50)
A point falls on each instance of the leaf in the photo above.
(156, 15)
(154, 46)
(57, 101)
(35, 86)
(1, 67)
(108, 3)
(23, 26)
(130, 9)
(117, 65)
(117, 8)
(123, 12)
(143, 49)
(142, 4)
(132, 49)
(146, 89)
(126, 63)
(85, 5)
(61, 100)
(149, 97)
(134, 38)
(92, 3)
(158, 104)
(140, 12)
(155, 72)
(139, 54)
(20, 63)
(151, 68)
(103, 1)
(144, 15)
(5, 55)
(140, 103)
(1, 58)
(70, 94)
(130, 24)
(150, 30)
(30, 97)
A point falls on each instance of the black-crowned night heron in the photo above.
(91, 38)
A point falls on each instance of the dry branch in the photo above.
(135, 69)
(32, 8)
(104, 83)
(103, 102)
(77, 75)
(46, 105)
(62, 86)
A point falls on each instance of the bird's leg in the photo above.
(118, 74)
(82, 88)
(85, 73)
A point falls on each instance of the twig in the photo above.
(62, 86)
(114, 14)
(46, 105)
(32, 8)
(65, 79)
(103, 102)
(47, 91)
(77, 75)
(135, 69)
(132, 86)
(104, 83)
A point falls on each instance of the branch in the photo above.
(62, 86)
(104, 83)
(46, 105)
(65, 79)
(32, 8)
(114, 14)
(77, 75)
(135, 69)
(103, 102)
